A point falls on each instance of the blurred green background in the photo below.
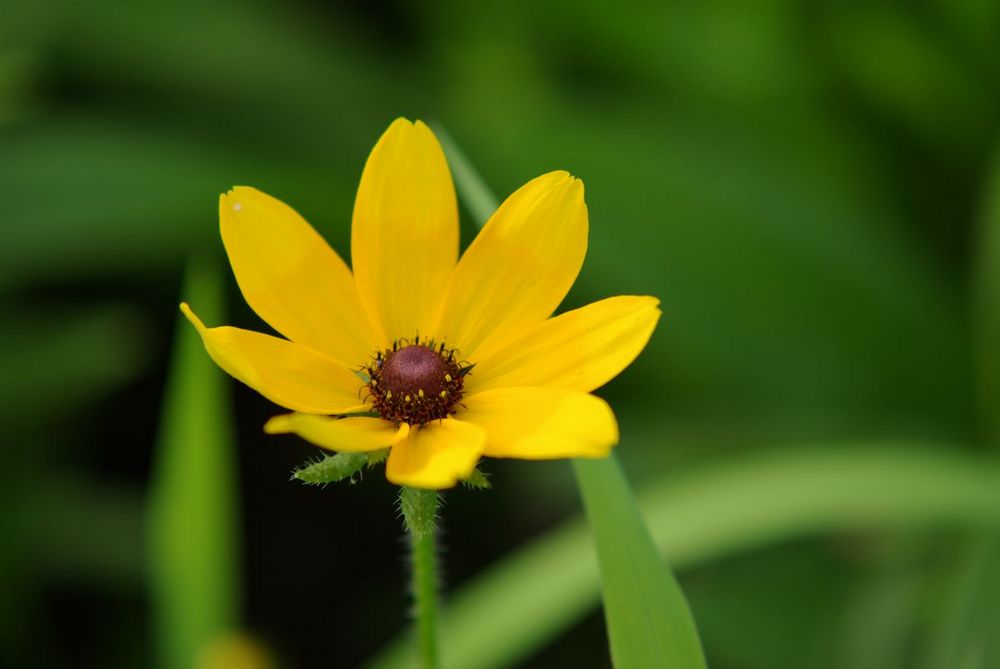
(807, 186)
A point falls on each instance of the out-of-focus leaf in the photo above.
(293, 71)
(86, 196)
(715, 511)
(986, 300)
(193, 521)
(59, 361)
(16, 70)
(475, 194)
(750, 606)
(86, 530)
(880, 619)
(796, 295)
(966, 634)
(970, 633)
(909, 69)
(649, 622)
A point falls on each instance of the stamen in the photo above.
(416, 383)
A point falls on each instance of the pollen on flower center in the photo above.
(416, 383)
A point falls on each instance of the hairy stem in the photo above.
(419, 509)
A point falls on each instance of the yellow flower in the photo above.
(451, 359)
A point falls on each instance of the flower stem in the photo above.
(419, 509)
(425, 596)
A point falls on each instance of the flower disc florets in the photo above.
(416, 383)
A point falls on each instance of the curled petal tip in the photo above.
(277, 425)
(192, 317)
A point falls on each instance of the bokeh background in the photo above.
(804, 184)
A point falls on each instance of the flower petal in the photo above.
(542, 423)
(286, 373)
(292, 278)
(436, 455)
(404, 239)
(521, 265)
(355, 434)
(581, 349)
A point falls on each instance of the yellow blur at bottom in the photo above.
(235, 650)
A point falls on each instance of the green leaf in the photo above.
(966, 633)
(497, 619)
(649, 623)
(61, 177)
(193, 541)
(986, 303)
(970, 633)
(63, 361)
(331, 468)
(477, 197)
(477, 480)
(89, 531)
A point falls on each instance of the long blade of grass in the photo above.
(716, 511)
(473, 191)
(648, 619)
(649, 622)
(193, 542)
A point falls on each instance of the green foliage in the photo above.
(477, 480)
(711, 512)
(986, 303)
(797, 181)
(193, 521)
(62, 360)
(378, 457)
(331, 468)
(969, 632)
(649, 623)
(474, 192)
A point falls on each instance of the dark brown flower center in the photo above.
(416, 383)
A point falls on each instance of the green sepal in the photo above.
(477, 480)
(331, 468)
(419, 509)
(377, 457)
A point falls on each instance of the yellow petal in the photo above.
(581, 349)
(436, 455)
(404, 240)
(286, 373)
(520, 267)
(292, 278)
(542, 423)
(355, 434)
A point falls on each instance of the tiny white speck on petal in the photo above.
(237, 207)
